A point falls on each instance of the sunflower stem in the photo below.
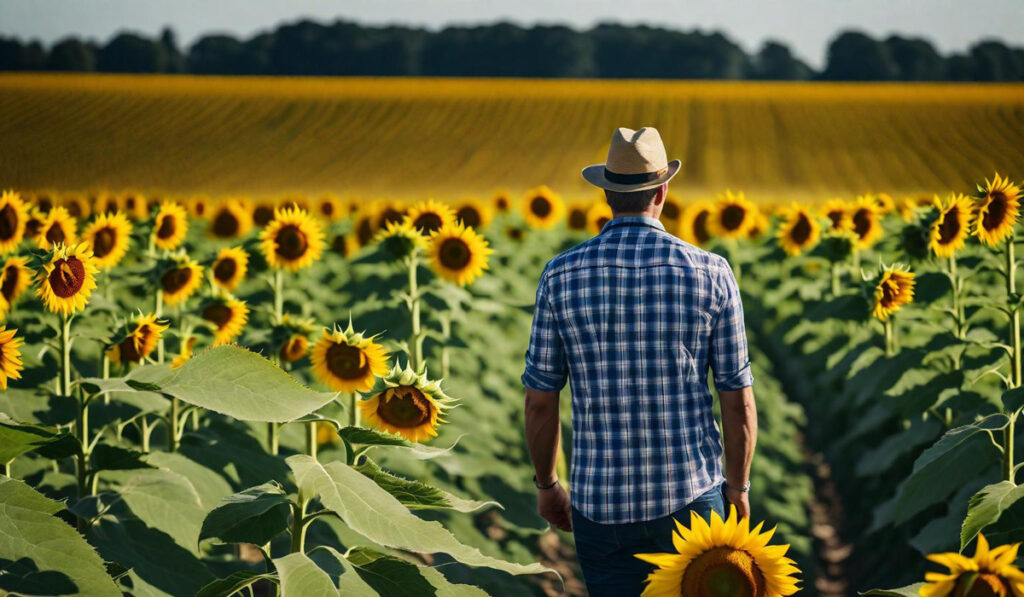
(446, 332)
(1015, 359)
(159, 312)
(105, 372)
(837, 286)
(172, 424)
(890, 347)
(273, 442)
(5, 468)
(311, 439)
(415, 341)
(299, 524)
(353, 410)
(278, 294)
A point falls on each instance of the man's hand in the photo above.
(553, 505)
(740, 499)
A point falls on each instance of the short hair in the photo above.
(632, 201)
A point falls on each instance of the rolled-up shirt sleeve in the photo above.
(730, 361)
(546, 366)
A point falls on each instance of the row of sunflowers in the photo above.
(403, 269)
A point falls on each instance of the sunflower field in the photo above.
(309, 396)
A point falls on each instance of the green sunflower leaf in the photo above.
(371, 437)
(255, 515)
(416, 494)
(232, 584)
(907, 591)
(997, 511)
(301, 577)
(17, 439)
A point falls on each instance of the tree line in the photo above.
(345, 48)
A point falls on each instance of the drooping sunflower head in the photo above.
(474, 214)
(109, 237)
(599, 214)
(347, 361)
(230, 267)
(864, 221)
(429, 216)
(502, 202)
(291, 337)
(293, 240)
(721, 558)
(798, 231)
(225, 315)
(13, 220)
(262, 213)
(406, 403)
(838, 213)
(231, 218)
(67, 279)
(15, 279)
(458, 253)
(328, 208)
(576, 215)
(894, 289)
(398, 240)
(542, 208)
(179, 279)
(10, 356)
(997, 210)
(58, 228)
(139, 341)
(170, 226)
(732, 215)
(989, 572)
(950, 229)
(694, 227)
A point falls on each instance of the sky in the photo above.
(806, 25)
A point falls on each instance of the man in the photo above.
(635, 317)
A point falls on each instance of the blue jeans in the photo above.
(605, 551)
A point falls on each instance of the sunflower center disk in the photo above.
(577, 219)
(67, 277)
(10, 282)
(391, 216)
(861, 223)
(129, 352)
(732, 217)
(996, 212)
(225, 224)
(404, 406)
(55, 234)
(469, 216)
(801, 231)
(262, 215)
(167, 228)
(217, 314)
(455, 254)
(8, 222)
(225, 269)
(540, 206)
(176, 279)
(327, 209)
(428, 222)
(347, 362)
(294, 349)
(836, 217)
(985, 585)
(364, 232)
(949, 228)
(103, 242)
(291, 242)
(670, 211)
(700, 227)
(890, 290)
(723, 572)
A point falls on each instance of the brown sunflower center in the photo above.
(391, 215)
(732, 217)
(200, 209)
(724, 571)
(469, 216)
(10, 282)
(103, 242)
(996, 212)
(801, 231)
(294, 349)
(577, 219)
(364, 232)
(700, 227)
(176, 279)
(327, 209)
(340, 245)
(949, 226)
(218, 314)
(985, 584)
(32, 227)
(44, 203)
(407, 407)
(8, 222)
(454, 253)
(291, 242)
(501, 204)
(890, 291)
(862, 222)
(347, 362)
(540, 206)
(427, 222)
(225, 269)
(74, 208)
(55, 234)
(836, 217)
(515, 233)
(602, 221)
(670, 211)
(262, 215)
(167, 227)
(128, 350)
(225, 224)
(67, 277)
(130, 204)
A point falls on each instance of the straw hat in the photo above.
(636, 162)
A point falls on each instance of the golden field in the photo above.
(413, 138)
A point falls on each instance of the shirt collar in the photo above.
(633, 221)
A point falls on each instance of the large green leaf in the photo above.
(373, 512)
(341, 572)
(41, 554)
(165, 501)
(393, 576)
(1000, 504)
(17, 439)
(233, 583)
(300, 577)
(416, 494)
(908, 591)
(372, 437)
(255, 515)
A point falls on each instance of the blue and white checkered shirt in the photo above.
(634, 317)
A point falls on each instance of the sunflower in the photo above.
(179, 281)
(10, 356)
(389, 213)
(346, 361)
(598, 215)
(77, 206)
(542, 208)
(13, 219)
(199, 207)
(671, 212)
(501, 202)
(187, 349)
(864, 221)
(170, 226)
(15, 279)
(998, 209)
(34, 224)
(401, 239)
(406, 403)
(731, 217)
(515, 233)
(291, 336)
(262, 213)
(988, 572)
(907, 208)
(329, 208)
(894, 289)
(227, 315)
(473, 213)
(458, 254)
(721, 558)
(108, 236)
(326, 434)
(58, 228)
(67, 280)
(693, 227)
(293, 240)
(885, 203)
(144, 334)
(343, 244)
(365, 227)
(105, 203)
(135, 206)
(799, 231)
(950, 229)
(43, 201)
(429, 216)
(231, 218)
(576, 215)
(837, 212)
(758, 223)
(230, 267)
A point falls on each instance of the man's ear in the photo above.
(662, 193)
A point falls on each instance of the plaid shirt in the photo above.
(634, 317)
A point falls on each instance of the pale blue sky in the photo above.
(806, 25)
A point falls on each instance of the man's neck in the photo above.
(635, 214)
